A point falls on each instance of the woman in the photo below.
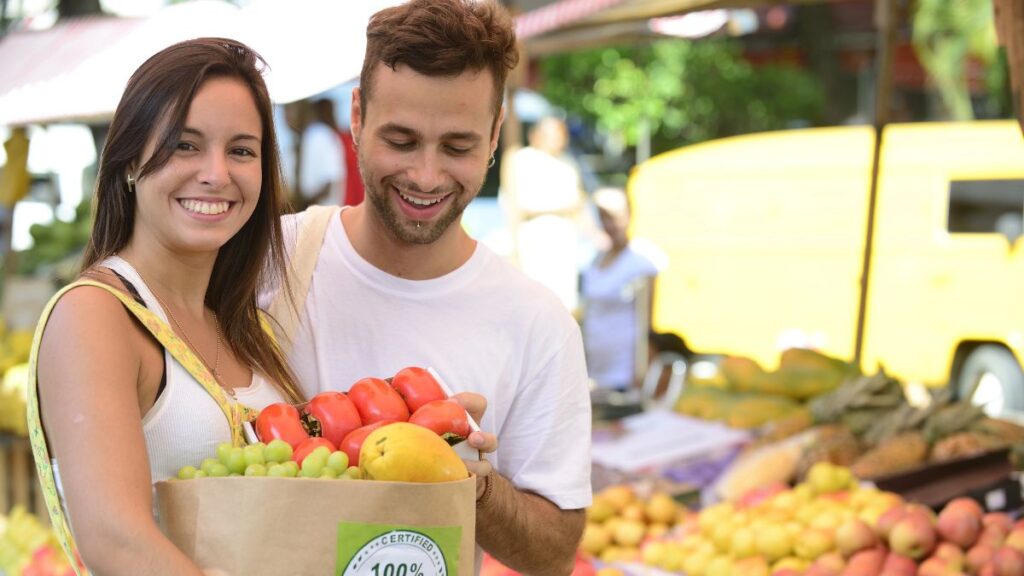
(617, 290)
(187, 204)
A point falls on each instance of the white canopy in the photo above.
(77, 70)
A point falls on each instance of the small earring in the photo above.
(490, 163)
(131, 183)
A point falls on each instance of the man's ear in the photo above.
(496, 130)
(356, 118)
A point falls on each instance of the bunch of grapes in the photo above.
(275, 458)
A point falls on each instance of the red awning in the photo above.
(558, 14)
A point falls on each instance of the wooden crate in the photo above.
(18, 483)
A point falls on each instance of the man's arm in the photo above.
(522, 530)
(527, 532)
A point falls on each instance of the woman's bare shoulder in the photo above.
(87, 312)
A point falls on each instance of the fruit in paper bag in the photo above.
(281, 420)
(405, 452)
(336, 413)
(377, 401)
(417, 387)
(447, 418)
(308, 445)
(353, 441)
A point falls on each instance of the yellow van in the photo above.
(766, 235)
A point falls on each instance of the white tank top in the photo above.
(185, 424)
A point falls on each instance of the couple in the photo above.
(147, 363)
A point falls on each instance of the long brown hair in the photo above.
(441, 38)
(158, 95)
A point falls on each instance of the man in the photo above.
(398, 282)
(546, 207)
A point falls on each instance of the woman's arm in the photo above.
(93, 360)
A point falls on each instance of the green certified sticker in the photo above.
(393, 550)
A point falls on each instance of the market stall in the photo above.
(806, 468)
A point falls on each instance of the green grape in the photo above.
(222, 452)
(208, 464)
(312, 465)
(338, 461)
(277, 470)
(323, 451)
(256, 470)
(235, 474)
(254, 454)
(292, 467)
(200, 474)
(236, 460)
(328, 473)
(277, 450)
(187, 472)
(353, 473)
(218, 470)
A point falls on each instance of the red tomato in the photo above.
(354, 441)
(447, 418)
(308, 445)
(336, 413)
(417, 387)
(376, 400)
(280, 420)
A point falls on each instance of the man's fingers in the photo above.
(483, 441)
(474, 403)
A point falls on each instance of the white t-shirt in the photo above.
(610, 321)
(485, 328)
(322, 163)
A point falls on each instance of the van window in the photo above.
(986, 206)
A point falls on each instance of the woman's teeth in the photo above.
(420, 202)
(200, 207)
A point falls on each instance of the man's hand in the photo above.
(484, 442)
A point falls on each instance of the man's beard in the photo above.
(411, 232)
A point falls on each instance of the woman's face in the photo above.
(210, 186)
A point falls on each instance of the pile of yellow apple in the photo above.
(619, 520)
(829, 525)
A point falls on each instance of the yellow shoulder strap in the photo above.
(234, 412)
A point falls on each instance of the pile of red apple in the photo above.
(341, 421)
(961, 539)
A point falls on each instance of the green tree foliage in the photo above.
(945, 34)
(682, 91)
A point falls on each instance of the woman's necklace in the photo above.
(215, 369)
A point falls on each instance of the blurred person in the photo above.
(319, 158)
(152, 358)
(352, 189)
(398, 282)
(1009, 19)
(352, 183)
(545, 204)
(617, 292)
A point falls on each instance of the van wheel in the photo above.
(995, 377)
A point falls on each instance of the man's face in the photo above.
(424, 144)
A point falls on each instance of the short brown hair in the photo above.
(441, 38)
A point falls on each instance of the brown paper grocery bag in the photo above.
(253, 526)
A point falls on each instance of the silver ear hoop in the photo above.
(131, 183)
(490, 163)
